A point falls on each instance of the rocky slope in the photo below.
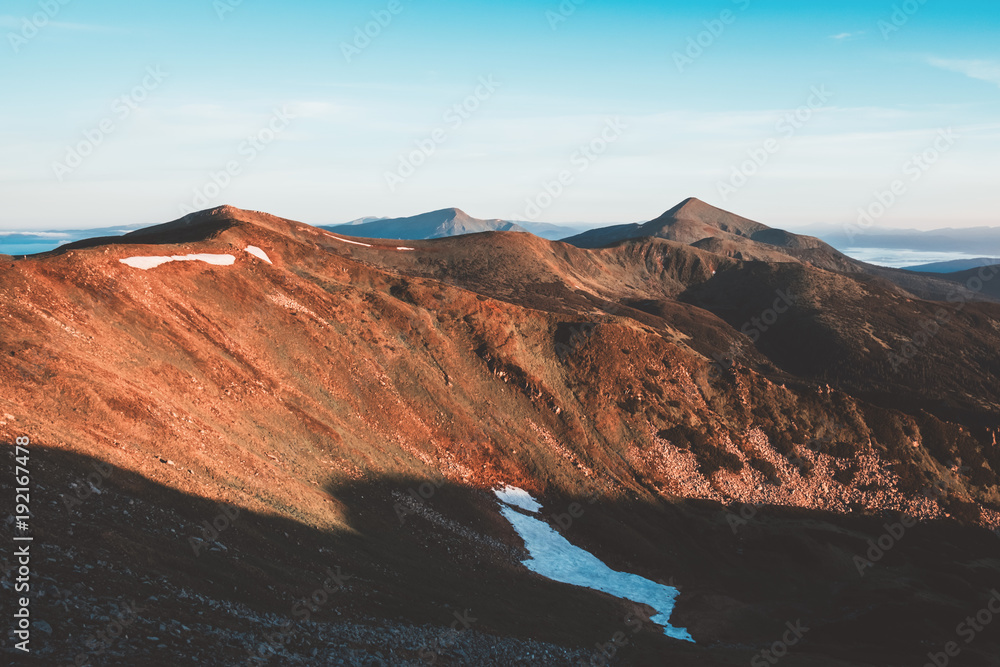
(736, 428)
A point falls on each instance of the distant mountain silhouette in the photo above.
(432, 225)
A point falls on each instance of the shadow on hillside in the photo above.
(447, 551)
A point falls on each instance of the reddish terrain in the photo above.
(738, 425)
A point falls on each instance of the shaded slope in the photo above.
(394, 594)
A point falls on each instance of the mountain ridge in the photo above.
(353, 403)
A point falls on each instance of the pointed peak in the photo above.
(225, 210)
(693, 205)
(453, 212)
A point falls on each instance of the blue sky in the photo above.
(198, 103)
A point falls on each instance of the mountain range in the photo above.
(445, 222)
(281, 442)
(983, 241)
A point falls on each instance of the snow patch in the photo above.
(146, 263)
(258, 253)
(518, 498)
(554, 557)
(367, 245)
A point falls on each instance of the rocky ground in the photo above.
(347, 408)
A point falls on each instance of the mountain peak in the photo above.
(453, 211)
(694, 208)
(695, 212)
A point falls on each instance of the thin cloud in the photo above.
(845, 36)
(983, 70)
(15, 23)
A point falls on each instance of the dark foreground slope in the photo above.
(356, 403)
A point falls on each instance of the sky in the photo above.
(581, 111)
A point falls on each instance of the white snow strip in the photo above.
(402, 248)
(146, 263)
(518, 498)
(258, 253)
(554, 557)
(367, 245)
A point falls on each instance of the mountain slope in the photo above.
(695, 223)
(356, 403)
